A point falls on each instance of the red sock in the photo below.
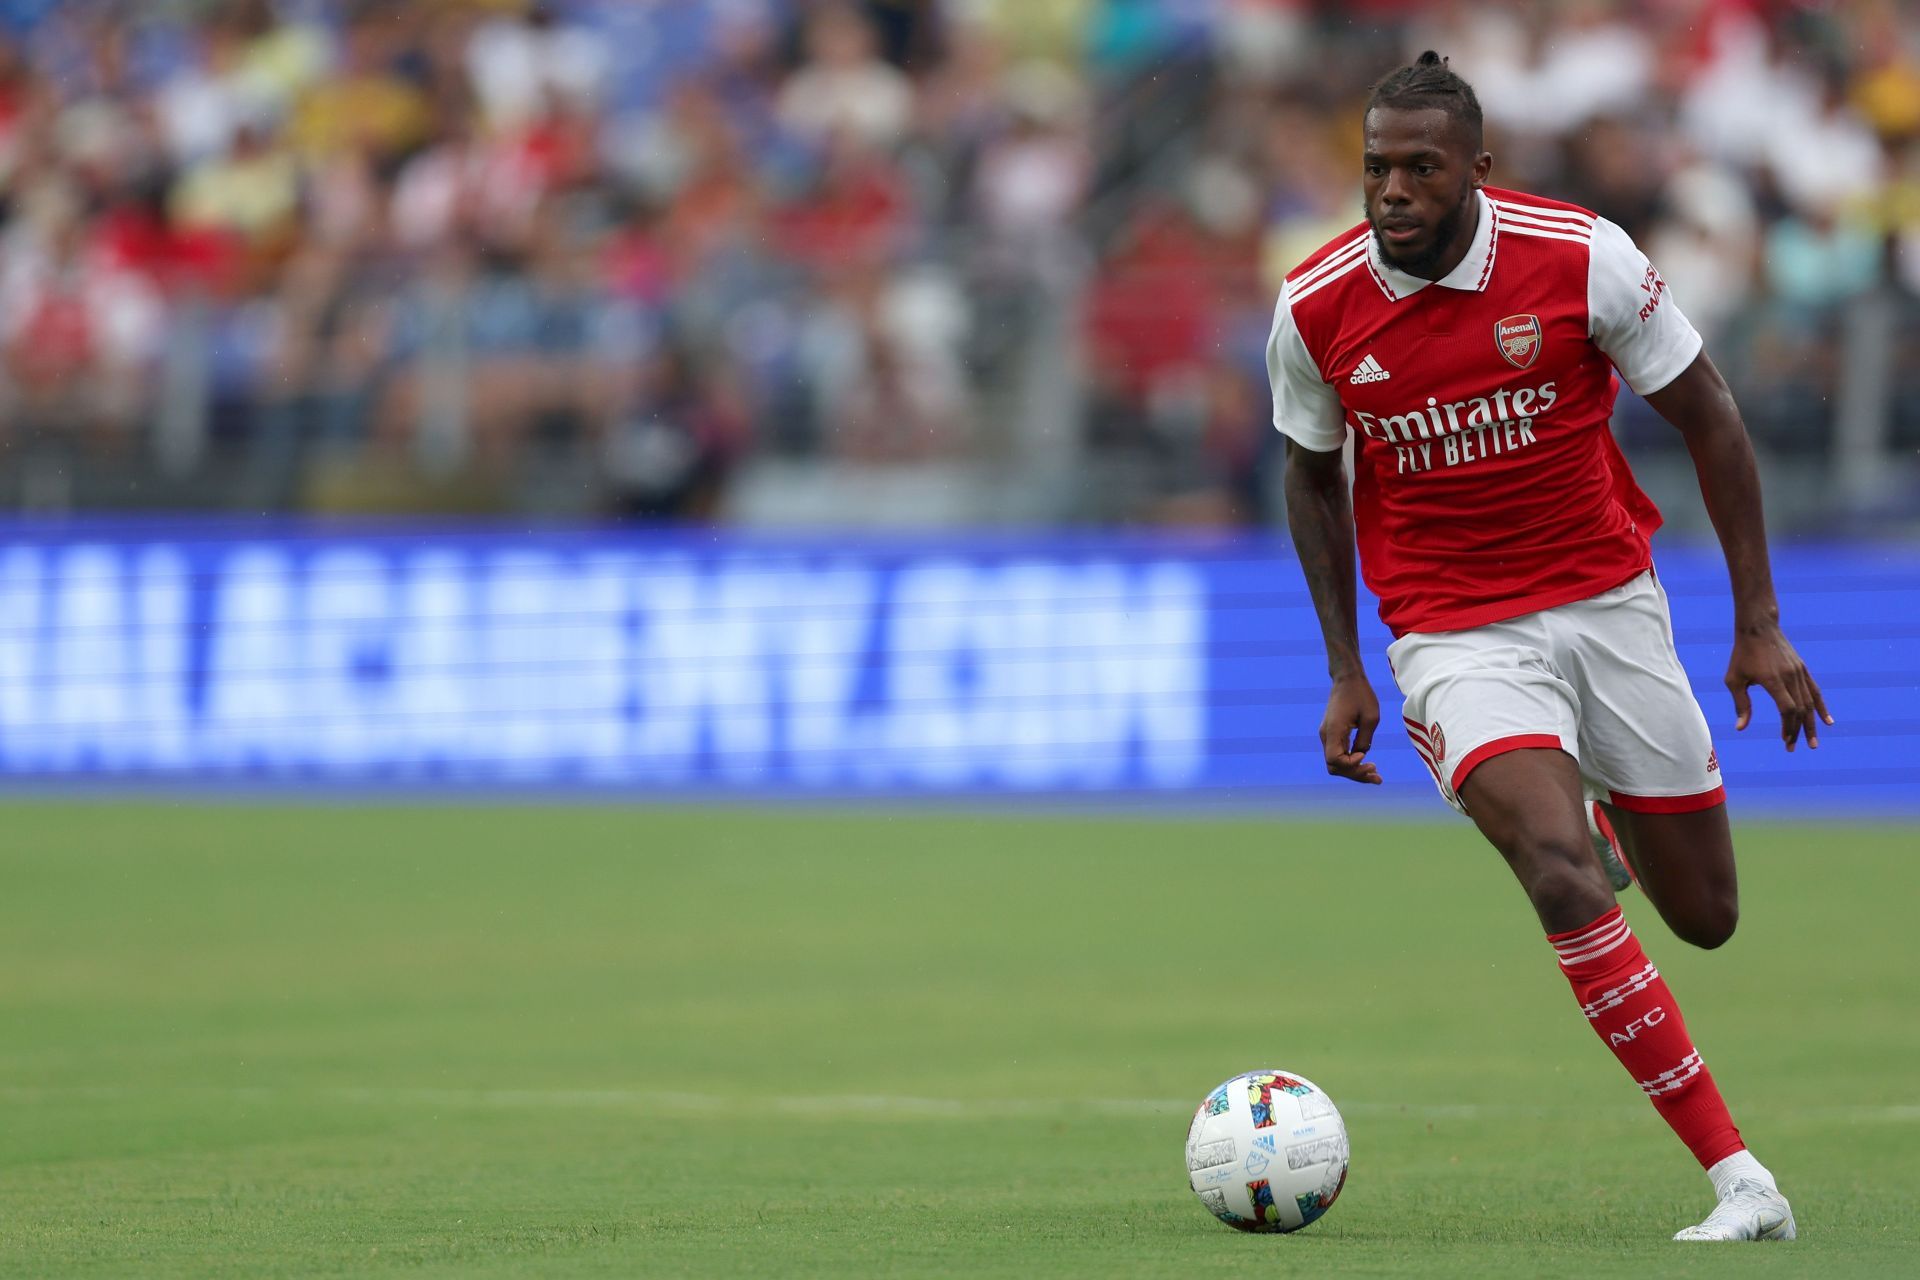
(1628, 1003)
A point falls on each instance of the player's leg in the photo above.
(1644, 745)
(1489, 698)
(1529, 804)
(1646, 750)
(1684, 864)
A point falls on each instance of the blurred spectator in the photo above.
(858, 211)
(886, 353)
(1821, 154)
(843, 86)
(670, 447)
(252, 190)
(1311, 194)
(1903, 216)
(202, 105)
(464, 181)
(1818, 257)
(1707, 244)
(365, 101)
(520, 65)
(1032, 178)
(319, 354)
(77, 329)
(1051, 30)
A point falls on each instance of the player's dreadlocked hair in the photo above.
(1428, 82)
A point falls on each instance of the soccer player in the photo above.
(1468, 338)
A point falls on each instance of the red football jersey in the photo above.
(1486, 481)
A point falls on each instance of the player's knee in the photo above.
(1561, 879)
(1709, 924)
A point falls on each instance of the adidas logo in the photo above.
(1369, 371)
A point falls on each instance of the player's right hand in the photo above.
(1346, 735)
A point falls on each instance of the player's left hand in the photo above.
(1763, 655)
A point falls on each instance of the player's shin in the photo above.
(1629, 1006)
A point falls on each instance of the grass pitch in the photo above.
(285, 1041)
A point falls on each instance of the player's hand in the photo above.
(1762, 655)
(1346, 735)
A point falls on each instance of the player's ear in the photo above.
(1482, 166)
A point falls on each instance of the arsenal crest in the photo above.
(1518, 338)
(1434, 735)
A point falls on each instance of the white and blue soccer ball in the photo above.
(1267, 1151)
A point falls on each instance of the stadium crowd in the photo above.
(315, 253)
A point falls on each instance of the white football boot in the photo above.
(1607, 846)
(1749, 1209)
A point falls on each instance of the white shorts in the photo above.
(1597, 679)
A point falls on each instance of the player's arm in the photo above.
(1320, 516)
(1637, 323)
(1700, 405)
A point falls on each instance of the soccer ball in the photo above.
(1267, 1151)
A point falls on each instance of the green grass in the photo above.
(284, 1041)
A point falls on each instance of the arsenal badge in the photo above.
(1518, 338)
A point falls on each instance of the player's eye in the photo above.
(1375, 170)
(1425, 170)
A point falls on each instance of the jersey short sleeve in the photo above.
(1305, 408)
(1632, 315)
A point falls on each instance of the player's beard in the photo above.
(1425, 264)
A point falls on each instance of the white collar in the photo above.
(1470, 276)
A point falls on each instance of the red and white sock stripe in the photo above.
(1614, 997)
(1673, 1078)
(1607, 933)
